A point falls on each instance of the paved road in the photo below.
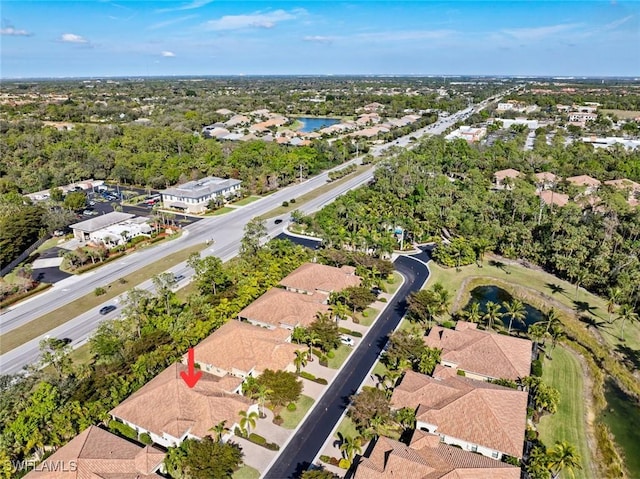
(307, 441)
(226, 230)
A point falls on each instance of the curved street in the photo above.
(303, 446)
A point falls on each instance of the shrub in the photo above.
(344, 464)
(382, 300)
(461, 372)
(99, 291)
(334, 461)
(285, 203)
(291, 406)
(355, 334)
(292, 200)
(365, 314)
(238, 432)
(531, 434)
(306, 375)
(272, 446)
(122, 429)
(448, 324)
(321, 381)
(325, 458)
(257, 439)
(145, 439)
(324, 361)
(331, 355)
(536, 368)
(277, 420)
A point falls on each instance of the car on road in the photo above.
(278, 221)
(346, 340)
(107, 309)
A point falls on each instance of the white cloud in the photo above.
(167, 54)
(409, 35)
(615, 24)
(538, 33)
(253, 20)
(72, 38)
(189, 6)
(319, 39)
(14, 32)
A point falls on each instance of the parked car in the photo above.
(376, 290)
(179, 277)
(278, 221)
(346, 340)
(107, 309)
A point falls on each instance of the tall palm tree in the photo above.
(626, 313)
(248, 421)
(350, 446)
(312, 340)
(515, 310)
(340, 311)
(261, 394)
(552, 318)
(613, 299)
(473, 313)
(492, 313)
(219, 430)
(301, 360)
(563, 457)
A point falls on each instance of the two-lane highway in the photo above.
(309, 438)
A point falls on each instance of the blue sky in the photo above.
(201, 37)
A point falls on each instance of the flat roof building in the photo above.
(82, 231)
(194, 196)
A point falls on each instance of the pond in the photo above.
(484, 294)
(622, 415)
(312, 124)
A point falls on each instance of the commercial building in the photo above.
(194, 196)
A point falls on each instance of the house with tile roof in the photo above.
(477, 416)
(96, 453)
(503, 179)
(241, 349)
(312, 278)
(546, 180)
(170, 412)
(427, 457)
(631, 187)
(550, 197)
(279, 308)
(481, 354)
(589, 184)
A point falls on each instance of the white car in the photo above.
(346, 340)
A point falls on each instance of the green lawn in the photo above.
(247, 200)
(379, 369)
(346, 428)
(50, 243)
(340, 355)
(246, 472)
(564, 373)
(293, 418)
(393, 285)
(221, 211)
(35, 328)
(367, 316)
(523, 281)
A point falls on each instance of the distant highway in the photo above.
(226, 231)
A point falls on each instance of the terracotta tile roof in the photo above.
(475, 411)
(549, 197)
(508, 173)
(246, 347)
(624, 183)
(177, 409)
(583, 180)
(482, 352)
(546, 177)
(279, 307)
(312, 277)
(98, 453)
(428, 458)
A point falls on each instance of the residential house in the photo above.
(631, 187)
(242, 350)
(427, 457)
(170, 411)
(278, 308)
(237, 120)
(194, 196)
(96, 453)
(480, 354)
(581, 118)
(312, 278)
(468, 133)
(503, 179)
(550, 197)
(546, 180)
(477, 416)
(589, 184)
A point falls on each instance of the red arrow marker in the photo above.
(192, 377)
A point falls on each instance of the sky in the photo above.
(101, 38)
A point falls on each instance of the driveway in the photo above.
(46, 269)
(310, 437)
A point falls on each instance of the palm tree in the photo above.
(301, 360)
(473, 313)
(552, 318)
(219, 430)
(350, 446)
(247, 421)
(340, 311)
(613, 300)
(261, 394)
(312, 340)
(406, 418)
(492, 313)
(626, 313)
(563, 457)
(515, 310)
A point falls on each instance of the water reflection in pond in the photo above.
(484, 294)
